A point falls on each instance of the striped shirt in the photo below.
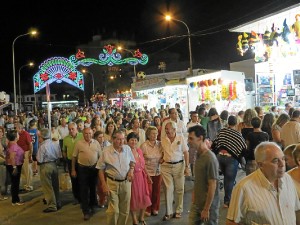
(255, 201)
(230, 140)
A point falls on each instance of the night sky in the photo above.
(65, 24)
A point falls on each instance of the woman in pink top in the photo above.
(14, 162)
(140, 198)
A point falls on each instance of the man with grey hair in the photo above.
(68, 148)
(47, 155)
(174, 166)
(266, 196)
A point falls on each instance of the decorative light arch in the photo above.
(59, 69)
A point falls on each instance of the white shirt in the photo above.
(191, 124)
(255, 201)
(63, 131)
(173, 152)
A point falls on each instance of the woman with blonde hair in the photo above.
(276, 128)
(245, 127)
(152, 152)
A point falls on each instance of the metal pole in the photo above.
(14, 71)
(134, 70)
(190, 45)
(93, 83)
(20, 87)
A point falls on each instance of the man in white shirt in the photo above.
(180, 126)
(174, 166)
(268, 195)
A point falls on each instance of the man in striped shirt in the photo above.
(229, 145)
(266, 196)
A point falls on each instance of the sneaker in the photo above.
(17, 203)
(3, 198)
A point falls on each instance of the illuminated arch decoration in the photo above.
(111, 57)
(59, 69)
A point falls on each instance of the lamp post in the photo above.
(127, 50)
(168, 18)
(14, 68)
(86, 71)
(30, 64)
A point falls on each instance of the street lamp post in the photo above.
(14, 68)
(168, 18)
(20, 94)
(127, 50)
(86, 71)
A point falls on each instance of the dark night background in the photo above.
(65, 24)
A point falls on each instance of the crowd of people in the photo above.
(119, 158)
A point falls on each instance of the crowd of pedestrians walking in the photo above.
(120, 158)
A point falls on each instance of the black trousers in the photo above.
(74, 181)
(87, 180)
(15, 182)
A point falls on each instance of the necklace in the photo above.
(151, 144)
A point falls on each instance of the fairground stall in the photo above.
(274, 41)
(224, 90)
(160, 90)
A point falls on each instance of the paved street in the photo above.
(31, 213)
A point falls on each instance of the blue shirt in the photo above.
(116, 164)
(34, 136)
(49, 151)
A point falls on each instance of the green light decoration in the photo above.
(59, 69)
(111, 57)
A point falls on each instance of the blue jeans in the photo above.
(229, 168)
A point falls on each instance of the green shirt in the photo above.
(204, 121)
(69, 143)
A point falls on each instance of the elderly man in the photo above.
(68, 148)
(47, 155)
(174, 166)
(266, 196)
(116, 164)
(180, 126)
(86, 153)
(206, 199)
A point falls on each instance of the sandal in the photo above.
(166, 217)
(143, 222)
(177, 215)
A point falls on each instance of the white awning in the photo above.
(262, 24)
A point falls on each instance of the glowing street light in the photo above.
(169, 18)
(30, 64)
(127, 50)
(88, 72)
(32, 33)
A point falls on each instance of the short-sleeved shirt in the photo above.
(173, 152)
(49, 151)
(116, 164)
(87, 154)
(24, 140)
(19, 157)
(152, 156)
(34, 137)
(255, 201)
(69, 143)
(206, 168)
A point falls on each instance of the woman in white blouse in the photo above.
(152, 152)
